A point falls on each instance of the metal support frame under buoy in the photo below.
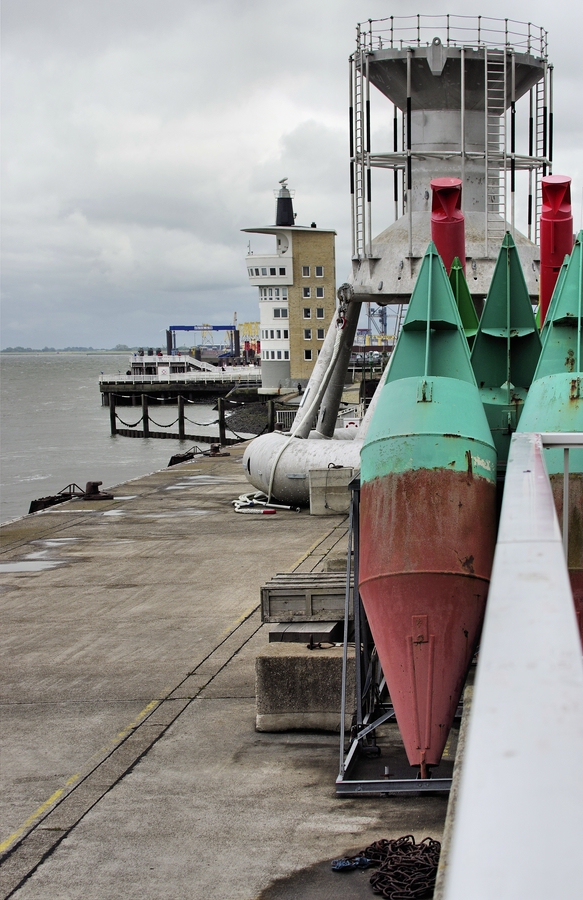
(372, 703)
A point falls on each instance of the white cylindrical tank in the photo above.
(293, 459)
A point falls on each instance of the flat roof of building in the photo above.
(275, 229)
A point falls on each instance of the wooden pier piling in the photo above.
(112, 414)
(181, 418)
(221, 412)
(145, 416)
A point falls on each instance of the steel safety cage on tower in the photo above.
(454, 83)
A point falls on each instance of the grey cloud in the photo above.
(140, 136)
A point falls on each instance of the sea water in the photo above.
(55, 431)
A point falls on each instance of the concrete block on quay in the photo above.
(329, 492)
(299, 688)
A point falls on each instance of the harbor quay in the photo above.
(131, 765)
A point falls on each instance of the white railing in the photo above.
(286, 417)
(518, 824)
(228, 377)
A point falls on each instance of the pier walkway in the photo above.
(130, 762)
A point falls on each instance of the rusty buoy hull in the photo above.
(427, 517)
(427, 545)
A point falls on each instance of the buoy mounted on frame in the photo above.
(447, 221)
(556, 234)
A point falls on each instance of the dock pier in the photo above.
(129, 389)
(223, 438)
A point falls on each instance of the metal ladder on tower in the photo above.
(359, 160)
(540, 150)
(495, 155)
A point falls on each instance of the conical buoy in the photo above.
(506, 348)
(464, 301)
(428, 470)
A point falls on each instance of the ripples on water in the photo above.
(55, 431)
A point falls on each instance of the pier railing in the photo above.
(518, 825)
(240, 376)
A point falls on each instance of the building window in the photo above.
(256, 272)
(307, 312)
(319, 271)
(282, 271)
(276, 293)
(270, 293)
(284, 293)
(320, 334)
(271, 333)
(306, 271)
(250, 272)
(307, 354)
(277, 313)
(264, 271)
(285, 334)
(306, 292)
(319, 292)
(279, 354)
(286, 354)
(273, 271)
(284, 312)
(319, 312)
(273, 354)
(307, 334)
(278, 334)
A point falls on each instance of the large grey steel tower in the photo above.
(455, 83)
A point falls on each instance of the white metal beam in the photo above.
(518, 829)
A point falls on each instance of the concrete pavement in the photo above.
(130, 762)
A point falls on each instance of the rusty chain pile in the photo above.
(407, 870)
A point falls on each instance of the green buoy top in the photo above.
(464, 301)
(432, 341)
(562, 330)
(507, 346)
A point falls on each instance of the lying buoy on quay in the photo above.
(279, 463)
(427, 517)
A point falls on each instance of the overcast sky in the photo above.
(140, 136)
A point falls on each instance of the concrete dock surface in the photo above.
(131, 766)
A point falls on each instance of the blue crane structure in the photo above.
(232, 329)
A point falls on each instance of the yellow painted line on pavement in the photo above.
(31, 819)
(73, 778)
(229, 630)
(314, 546)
